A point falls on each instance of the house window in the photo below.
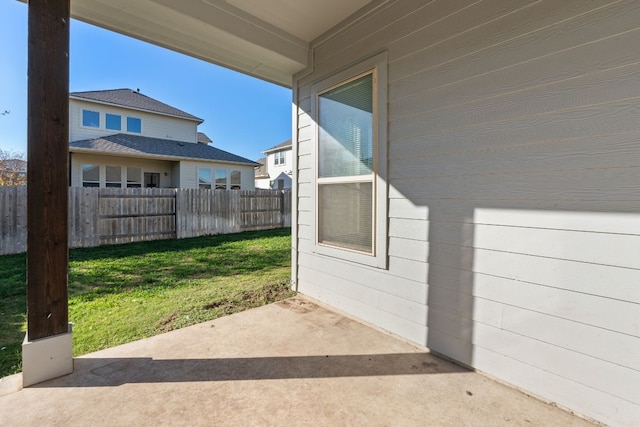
(279, 158)
(90, 176)
(350, 199)
(134, 125)
(134, 177)
(151, 180)
(221, 179)
(204, 178)
(236, 180)
(90, 118)
(114, 176)
(113, 121)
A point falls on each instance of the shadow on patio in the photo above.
(289, 363)
(116, 371)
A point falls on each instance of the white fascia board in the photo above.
(127, 107)
(153, 156)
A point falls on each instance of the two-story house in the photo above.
(122, 138)
(275, 170)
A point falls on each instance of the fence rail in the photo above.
(100, 216)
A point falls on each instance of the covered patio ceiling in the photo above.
(265, 39)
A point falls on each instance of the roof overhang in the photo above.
(197, 120)
(265, 39)
(82, 150)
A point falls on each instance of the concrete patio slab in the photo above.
(289, 363)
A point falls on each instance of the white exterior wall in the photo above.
(263, 183)
(275, 170)
(173, 174)
(153, 125)
(151, 166)
(514, 192)
(189, 173)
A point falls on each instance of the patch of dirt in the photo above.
(298, 305)
(167, 324)
(252, 298)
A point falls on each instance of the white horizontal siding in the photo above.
(153, 125)
(514, 191)
(160, 167)
(188, 174)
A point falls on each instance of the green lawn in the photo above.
(123, 293)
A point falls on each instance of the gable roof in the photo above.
(261, 171)
(281, 146)
(133, 99)
(203, 138)
(142, 146)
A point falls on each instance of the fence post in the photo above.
(282, 212)
(175, 213)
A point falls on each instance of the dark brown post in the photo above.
(48, 188)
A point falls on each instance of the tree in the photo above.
(13, 168)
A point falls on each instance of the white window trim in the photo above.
(82, 180)
(105, 121)
(231, 184)
(279, 158)
(378, 64)
(215, 179)
(211, 177)
(83, 126)
(107, 182)
(126, 125)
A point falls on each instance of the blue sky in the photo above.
(241, 114)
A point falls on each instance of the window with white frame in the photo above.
(134, 177)
(235, 178)
(350, 199)
(134, 125)
(113, 176)
(90, 175)
(279, 158)
(221, 179)
(90, 119)
(204, 178)
(113, 121)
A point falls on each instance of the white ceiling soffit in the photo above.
(267, 39)
(304, 19)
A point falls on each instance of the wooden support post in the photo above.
(48, 188)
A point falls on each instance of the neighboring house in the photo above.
(122, 138)
(12, 171)
(467, 172)
(261, 174)
(275, 170)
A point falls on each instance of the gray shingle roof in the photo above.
(203, 138)
(282, 145)
(133, 99)
(142, 146)
(261, 171)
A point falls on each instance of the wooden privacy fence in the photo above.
(100, 216)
